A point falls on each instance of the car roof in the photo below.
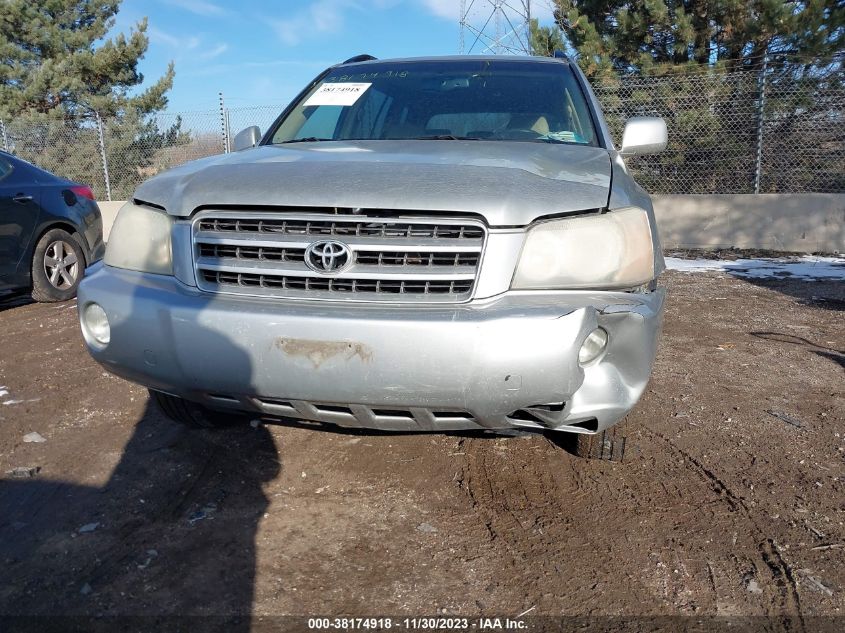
(460, 58)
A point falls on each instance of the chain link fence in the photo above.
(740, 132)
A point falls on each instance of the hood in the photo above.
(508, 183)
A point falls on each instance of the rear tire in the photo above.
(193, 414)
(58, 265)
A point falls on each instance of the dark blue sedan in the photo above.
(50, 230)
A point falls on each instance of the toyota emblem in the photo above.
(328, 256)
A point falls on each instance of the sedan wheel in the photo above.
(58, 265)
(61, 265)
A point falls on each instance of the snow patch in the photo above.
(4, 392)
(806, 267)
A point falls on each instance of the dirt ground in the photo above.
(730, 502)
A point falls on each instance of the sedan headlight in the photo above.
(611, 250)
(140, 240)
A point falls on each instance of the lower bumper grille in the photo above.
(356, 415)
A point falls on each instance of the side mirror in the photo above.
(247, 138)
(644, 135)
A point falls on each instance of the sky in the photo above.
(264, 52)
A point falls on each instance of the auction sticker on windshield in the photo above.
(337, 94)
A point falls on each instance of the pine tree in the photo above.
(712, 112)
(56, 58)
(639, 35)
(59, 71)
(545, 40)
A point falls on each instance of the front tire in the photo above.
(58, 265)
(607, 445)
(193, 414)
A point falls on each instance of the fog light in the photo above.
(96, 324)
(593, 347)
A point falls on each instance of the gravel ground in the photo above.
(730, 502)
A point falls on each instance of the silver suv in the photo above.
(415, 245)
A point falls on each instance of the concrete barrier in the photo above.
(109, 211)
(800, 222)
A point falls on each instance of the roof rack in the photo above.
(559, 54)
(360, 58)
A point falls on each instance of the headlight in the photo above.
(612, 250)
(140, 240)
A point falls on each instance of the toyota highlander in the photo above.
(433, 244)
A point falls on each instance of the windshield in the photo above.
(487, 100)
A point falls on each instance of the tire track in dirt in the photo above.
(545, 507)
(512, 495)
(767, 549)
(536, 503)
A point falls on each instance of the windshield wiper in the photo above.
(556, 141)
(307, 139)
(435, 137)
(445, 137)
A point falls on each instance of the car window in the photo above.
(5, 170)
(25, 173)
(319, 122)
(480, 99)
(367, 121)
(470, 123)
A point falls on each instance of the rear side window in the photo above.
(5, 169)
(15, 170)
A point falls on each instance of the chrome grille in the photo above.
(377, 258)
(372, 227)
(390, 259)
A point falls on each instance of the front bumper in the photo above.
(506, 362)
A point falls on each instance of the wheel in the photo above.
(607, 445)
(194, 414)
(57, 267)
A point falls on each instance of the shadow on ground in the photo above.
(14, 300)
(823, 294)
(834, 355)
(172, 532)
(819, 284)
